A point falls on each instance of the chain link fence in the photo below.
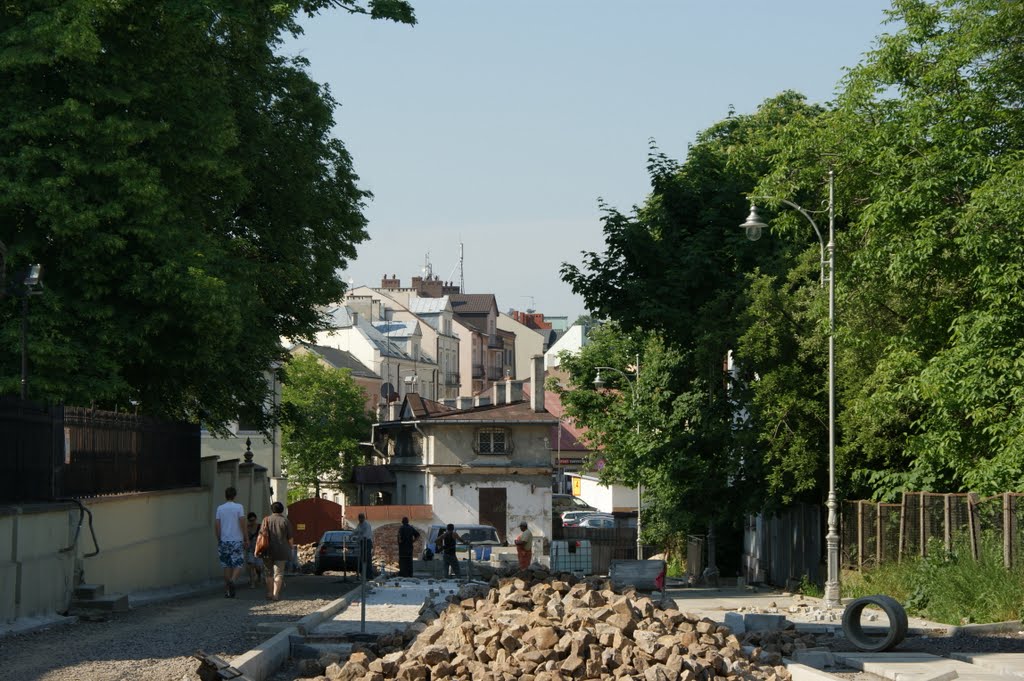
(874, 533)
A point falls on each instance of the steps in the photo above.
(92, 599)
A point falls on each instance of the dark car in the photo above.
(480, 537)
(336, 550)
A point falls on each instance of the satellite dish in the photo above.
(388, 392)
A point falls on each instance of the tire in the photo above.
(428, 554)
(854, 631)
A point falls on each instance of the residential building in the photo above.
(363, 376)
(529, 341)
(400, 371)
(437, 338)
(482, 459)
(491, 354)
(571, 341)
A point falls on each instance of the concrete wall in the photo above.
(454, 445)
(147, 540)
(456, 499)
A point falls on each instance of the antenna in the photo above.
(428, 269)
(533, 303)
(462, 272)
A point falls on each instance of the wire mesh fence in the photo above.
(874, 533)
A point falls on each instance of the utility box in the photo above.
(573, 555)
(645, 575)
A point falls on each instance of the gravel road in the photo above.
(155, 642)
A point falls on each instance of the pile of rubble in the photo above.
(307, 554)
(541, 627)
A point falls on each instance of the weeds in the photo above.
(948, 586)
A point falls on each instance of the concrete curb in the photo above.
(802, 672)
(30, 625)
(990, 628)
(264, 660)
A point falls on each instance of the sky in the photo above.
(498, 126)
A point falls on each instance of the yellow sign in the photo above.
(575, 487)
(300, 526)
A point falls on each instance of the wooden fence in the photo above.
(874, 533)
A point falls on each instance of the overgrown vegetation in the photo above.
(948, 587)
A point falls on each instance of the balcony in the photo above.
(452, 379)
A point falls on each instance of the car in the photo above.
(480, 537)
(571, 518)
(336, 550)
(567, 502)
(595, 522)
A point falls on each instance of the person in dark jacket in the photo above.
(407, 536)
(449, 541)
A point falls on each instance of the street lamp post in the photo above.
(599, 383)
(754, 226)
(31, 285)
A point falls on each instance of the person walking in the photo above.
(449, 541)
(279, 531)
(524, 546)
(407, 536)
(232, 540)
(254, 562)
(363, 535)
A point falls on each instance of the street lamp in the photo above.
(754, 226)
(598, 384)
(32, 285)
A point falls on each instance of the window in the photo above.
(492, 441)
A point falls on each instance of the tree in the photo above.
(324, 418)
(177, 179)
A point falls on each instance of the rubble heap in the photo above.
(307, 554)
(539, 627)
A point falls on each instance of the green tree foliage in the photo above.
(177, 179)
(926, 139)
(323, 420)
(673, 276)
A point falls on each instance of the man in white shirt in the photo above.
(363, 535)
(232, 539)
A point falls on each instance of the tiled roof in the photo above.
(472, 303)
(570, 435)
(341, 359)
(424, 408)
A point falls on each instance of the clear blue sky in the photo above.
(500, 124)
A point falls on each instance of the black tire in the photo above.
(873, 644)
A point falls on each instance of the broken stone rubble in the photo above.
(539, 626)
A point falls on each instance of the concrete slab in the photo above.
(390, 607)
(899, 666)
(803, 672)
(1009, 664)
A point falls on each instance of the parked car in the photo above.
(336, 550)
(561, 503)
(572, 518)
(602, 522)
(480, 537)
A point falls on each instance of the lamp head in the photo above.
(598, 382)
(753, 225)
(33, 276)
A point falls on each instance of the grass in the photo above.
(948, 587)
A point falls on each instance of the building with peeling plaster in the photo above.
(475, 460)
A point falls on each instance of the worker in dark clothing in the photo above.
(407, 536)
(449, 542)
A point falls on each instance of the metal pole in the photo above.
(832, 597)
(24, 346)
(639, 486)
(362, 586)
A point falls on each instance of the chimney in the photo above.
(537, 383)
(463, 402)
(355, 317)
(393, 408)
(481, 401)
(449, 402)
(513, 391)
(498, 392)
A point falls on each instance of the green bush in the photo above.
(948, 586)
